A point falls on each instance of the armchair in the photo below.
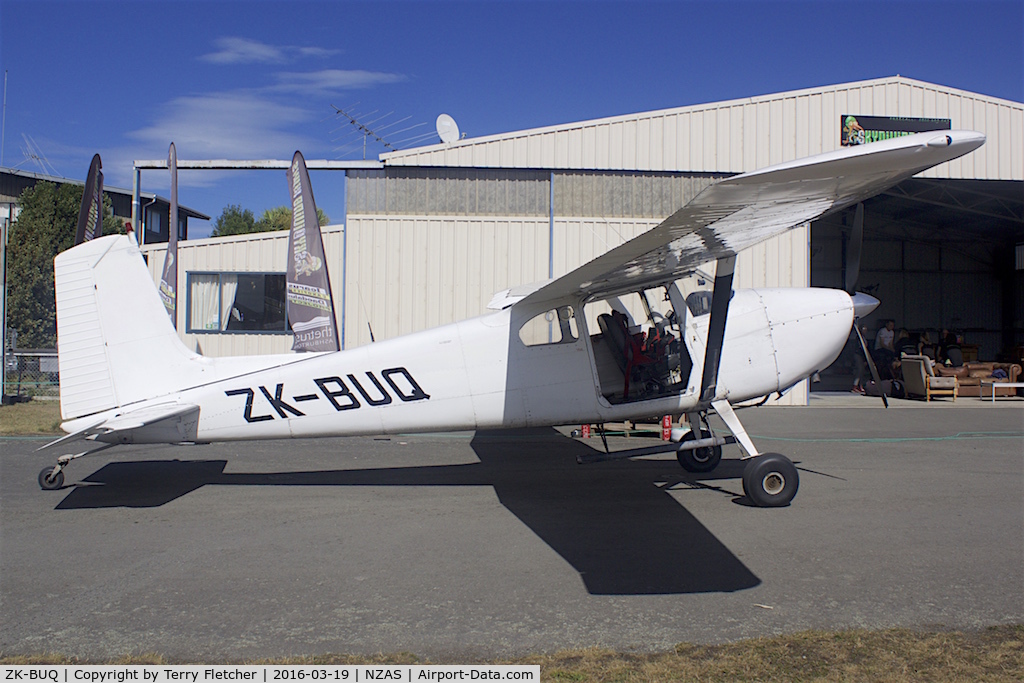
(919, 379)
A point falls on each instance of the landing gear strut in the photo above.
(701, 459)
(51, 478)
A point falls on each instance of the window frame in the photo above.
(286, 328)
(554, 327)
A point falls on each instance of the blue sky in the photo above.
(248, 80)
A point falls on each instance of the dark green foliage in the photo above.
(44, 228)
(235, 220)
(280, 218)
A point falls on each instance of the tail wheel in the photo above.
(51, 479)
(770, 480)
(699, 459)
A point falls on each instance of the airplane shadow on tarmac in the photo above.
(613, 522)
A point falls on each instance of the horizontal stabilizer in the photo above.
(166, 423)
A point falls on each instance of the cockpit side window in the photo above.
(557, 326)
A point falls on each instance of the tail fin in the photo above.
(116, 344)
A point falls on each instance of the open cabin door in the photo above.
(641, 346)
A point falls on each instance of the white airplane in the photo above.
(565, 352)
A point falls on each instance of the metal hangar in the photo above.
(431, 233)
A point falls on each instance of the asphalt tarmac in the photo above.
(465, 546)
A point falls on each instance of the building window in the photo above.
(250, 303)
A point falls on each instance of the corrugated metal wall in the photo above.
(452, 192)
(744, 135)
(625, 195)
(264, 252)
(411, 273)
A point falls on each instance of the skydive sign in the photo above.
(858, 130)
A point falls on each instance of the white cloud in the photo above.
(240, 125)
(268, 122)
(331, 80)
(244, 51)
(221, 125)
(318, 52)
(234, 50)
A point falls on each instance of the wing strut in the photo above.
(713, 356)
(716, 327)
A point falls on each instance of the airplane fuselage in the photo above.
(478, 374)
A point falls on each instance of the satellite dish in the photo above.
(447, 129)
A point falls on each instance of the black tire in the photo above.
(699, 460)
(770, 480)
(50, 484)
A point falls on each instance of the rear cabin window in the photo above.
(557, 326)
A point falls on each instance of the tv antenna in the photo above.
(366, 127)
(32, 152)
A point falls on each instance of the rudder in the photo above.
(116, 344)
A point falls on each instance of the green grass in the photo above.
(34, 417)
(993, 655)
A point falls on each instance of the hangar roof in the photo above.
(746, 134)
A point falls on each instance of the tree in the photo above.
(44, 227)
(280, 218)
(234, 220)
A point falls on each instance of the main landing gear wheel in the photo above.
(770, 480)
(50, 480)
(699, 459)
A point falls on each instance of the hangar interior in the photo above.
(433, 232)
(939, 255)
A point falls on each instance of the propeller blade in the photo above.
(870, 360)
(853, 252)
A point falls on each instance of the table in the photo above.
(981, 393)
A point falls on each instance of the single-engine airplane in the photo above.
(567, 351)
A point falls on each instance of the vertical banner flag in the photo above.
(169, 280)
(90, 216)
(310, 307)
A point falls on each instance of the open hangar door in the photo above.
(938, 254)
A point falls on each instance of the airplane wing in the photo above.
(743, 210)
(166, 423)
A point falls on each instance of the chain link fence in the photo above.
(30, 374)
